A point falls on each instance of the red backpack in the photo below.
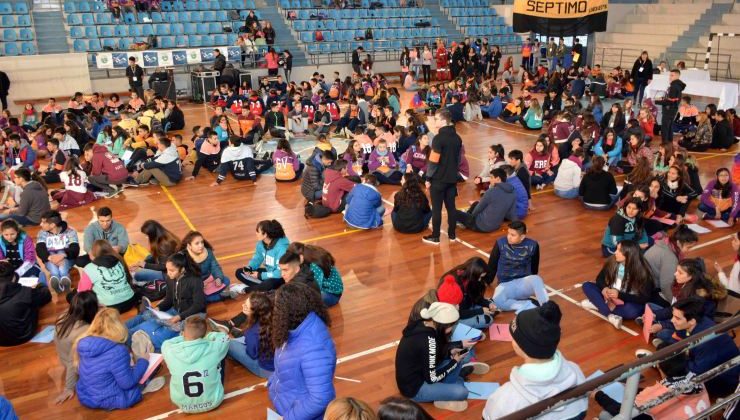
(318, 36)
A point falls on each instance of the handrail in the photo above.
(623, 372)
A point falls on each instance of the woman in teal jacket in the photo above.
(263, 269)
(210, 270)
(610, 146)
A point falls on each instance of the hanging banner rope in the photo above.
(560, 17)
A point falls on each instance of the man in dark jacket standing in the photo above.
(4, 89)
(135, 74)
(642, 74)
(442, 175)
(356, 60)
(219, 61)
(670, 105)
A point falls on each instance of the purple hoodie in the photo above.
(375, 163)
(353, 163)
(284, 157)
(706, 197)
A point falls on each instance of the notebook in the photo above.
(155, 359)
(160, 314)
(28, 281)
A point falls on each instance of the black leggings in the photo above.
(426, 69)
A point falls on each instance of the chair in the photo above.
(162, 29)
(26, 34)
(306, 37)
(209, 16)
(76, 32)
(183, 17)
(84, 6)
(166, 42)
(196, 17)
(7, 21)
(157, 17)
(181, 41)
(222, 16)
(21, 8)
(94, 45)
(9, 35)
(166, 6)
(250, 4)
(111, 43)
(299, 25)
(194, 41)
(190, 28)
(170, 17)
(23, 20)
(191, 5)
(129, 18)
(78, 45)
(147, 30)
(124, 44)
(135, 30)
(214, 5)
(207, 41)
(70, 7)
(103, 18)
(226, 5)
(91, 31)
(202, 29)
(120, 30)
(216, 28)
(220, 40)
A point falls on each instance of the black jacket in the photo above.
(673, 95)
(176, 119)
(4, 84)
(356, 58)
(647, 69)
(410, 219)
(418, 359)
(448, 144)
(619, 123)
(312, 180)
(137, 72)
(595, 188)
(722, 135)
(186, 296)
(552, 106)
(219, 63)
(19, 312)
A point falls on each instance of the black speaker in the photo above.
(165, 89)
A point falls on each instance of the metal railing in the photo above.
(720, 63)
(631, 374)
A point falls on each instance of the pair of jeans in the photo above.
(59, 271)
(330, 299)
(666, 332)
(567, 194)
(394, 178)
(158, 330)
(711, 212)
(239, 354)
(478, 321)
(514, 295)
(467, 218)
(543, 179)
(451, 388)
(639, 91)
(148, 276)
(442, 192)
(630, 310)
(22, 220)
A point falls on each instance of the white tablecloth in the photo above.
(726, 92)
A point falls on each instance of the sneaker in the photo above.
(456, 406)
(153, 181)
(452, 237)
(479, 368)
(114, 192)
(145, 304)
(54, 281)
(657, 342)
(65, 283)
(154, 385)
(236, 332)
(640, 353)
(432, 240)
(615, 320)
(141, 345)
(586, 304)
(639, 321)
(466, 371)
(218, 325)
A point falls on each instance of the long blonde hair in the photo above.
(107, 324)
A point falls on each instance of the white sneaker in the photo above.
(640, 353)
(657, 342)
(615, 320)
(452, 405)
(154, 385)
(586, 304)
(479, 368)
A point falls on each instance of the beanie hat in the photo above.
(441, 313)
(449, 291)
(537, 331)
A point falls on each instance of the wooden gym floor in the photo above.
(384, 272)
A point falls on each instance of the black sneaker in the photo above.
(466, 371)
(218, 325)
(430, 239)
(236, 332)
(534, 301)
(452, 237)
(639, 321)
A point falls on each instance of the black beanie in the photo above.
(537, 331)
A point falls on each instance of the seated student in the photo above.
(174, 117)
(271, 245)
(275, 122)
(598, 188)
(52, 110)
(551, 105)
(496, 205)
(255, 352)
(297, 119)
(17, 247)
(336, 186)
(68, 328)
(19, 307)
(200, 354)
(545, 372)
(731, 282)
(426, 369)
(722, 136)
(626, 224)
(636, 149)
(689, 320)
(409, 82)
(690, 280)
(201, 252)
(515, 260)
(701, 140)
(107, 170)
(609, 147)
(106, 378)
(511, 113)
(516, 160)
(383, 165)
(33, 200)
(321, 121)
(313, 180)
(416, 156)
(238, 159)
(322, 265)
(19, 152)
(164, 168)
(56, 162)
(184, 297)
(675, 195)
(57, 246)
(411, 212)
(686, 116)
(456, 109)
(522, 202)
(75, 192)
(541, 162)
(622, 287)
(104, 227)
(568, 179)
(209, 154)
(135, 104)
(532, 119)
(466, 283)
(365, 208)
(162, 244)
(494, 108)
(288, 165)
(495, 159)
(664, 255)
(109, 277)
(721, 198)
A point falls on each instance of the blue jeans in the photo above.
(543, 179)
(630, 310)
(22, 220)
(477, 321)
(330, 299)
(712, 212)
(567, 194)
(216, 297)
(514, 295)
(59, 271)
(238, 353)
(666, 333)
(158, 330)
(451, 388)
(147, 275)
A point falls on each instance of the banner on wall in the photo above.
(560, 17)
(163, 58)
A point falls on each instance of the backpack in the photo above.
(316, 211)
(153, 291)
(318, 36)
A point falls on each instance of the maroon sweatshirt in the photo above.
(106, 163)
(335, 187)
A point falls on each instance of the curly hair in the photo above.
(272, 228)
(411, 193)
(293, 303)
(261, 305)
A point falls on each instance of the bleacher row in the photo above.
(464, 3)
(16, 23)
(166, 5)
(475, 18)
(309, 4)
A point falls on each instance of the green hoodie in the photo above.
(195, 366)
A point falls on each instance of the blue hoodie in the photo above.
(269, 257)
(362, 204)
(106, 378)
(522, 200)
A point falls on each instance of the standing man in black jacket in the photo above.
(641, 76)
(356, 60)
(442, 175)
(577, 49)
(670, 105)
(4, 89)
(135, 74)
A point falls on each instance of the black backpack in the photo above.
(153, 291)
(316, 211)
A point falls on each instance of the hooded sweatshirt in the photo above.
(497, 204)
(108, 164)
(195, 365)
(531, 383)
(19, 312)
(569, 174)
(622, 227)
(168, 161)
(116, 235)
(106, 276)
(53, 243)
(335, 187)
(34, 202)
(269, 256)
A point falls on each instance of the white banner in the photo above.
(193, 56)
(165, 58)
(105, 60)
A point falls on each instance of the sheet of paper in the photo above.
(44, 336)
(718, 223)
(647, 318)
(28, 281)
(500, 332)
(698, 228)
(614, 390)
(481, 390)
(272, 415)
(463, 332)
(160, 314)
(155, 359)
(669, 222)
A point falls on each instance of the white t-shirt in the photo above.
(76, 184)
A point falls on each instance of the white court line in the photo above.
(505, 129)
(341, 378)
(712, 242)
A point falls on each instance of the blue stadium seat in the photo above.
(202, 28)
(209, 16)
(135, 30)
(194, 41)
(8, 21)
(178, 6)
(325, 48)
(91, 31)
(190, 28)
(83, 6)
(313, 49)
(162, 29)
(147, 30)
(157, 17)
(306, 37)
(299, 25)
(220, 40)
(215, 28)
(23, 20)
(79, 45)
(250, 4)
(6, 9)
(166, 6)
(226, 5)
(103, 18)
(21, 8)
(26, 34)
(111, 43)
(177, 28)
(166, 42)
(27, 48)
(88, 19)
(181, 41)
(191, 5)
(306, 4)
(9, 35)
(231, 38)
(330, 25)
(11, 48)
(129, 18)
(70, 7)
(76, 32)
(120, 30)
(94, 45)
(222, 16)
(285, 4)
(207, 41)
(183, 17)
(124, 43)
(196, 17)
